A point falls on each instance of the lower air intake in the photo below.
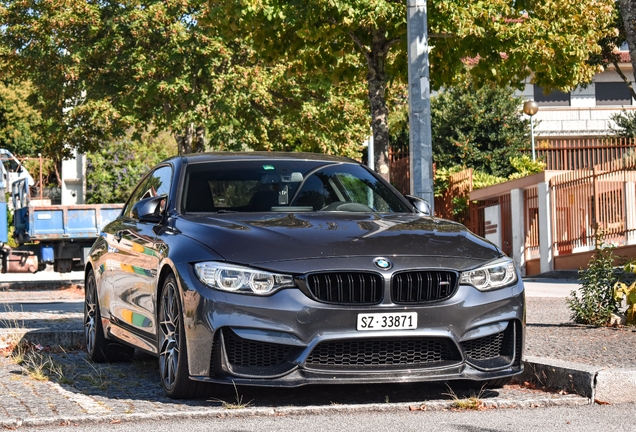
(383, 352)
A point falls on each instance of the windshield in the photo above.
(289, 185)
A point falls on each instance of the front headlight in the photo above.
(496, 274)
(233, 278)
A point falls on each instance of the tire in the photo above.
(99, 348)
(173, 355)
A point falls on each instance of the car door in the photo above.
(135, 262)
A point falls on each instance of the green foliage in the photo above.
(113, 171)
(597, 301)
(525, 166)
(497, 42)
(480, 128)
(442, 178)
(18, 120)
(504, 40)
(460, 202)
(277, 109)
(10, 240)
(246, 70)
(482, 180)
(625, 124)
(100, 68)
(628, 292)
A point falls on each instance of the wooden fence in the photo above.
(582, 153)
(583, 203)
(399, 170)
(588, 201)
(558, 154)
(453, 203)
(481, 225)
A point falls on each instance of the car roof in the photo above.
(261, 155)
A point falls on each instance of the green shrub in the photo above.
(597, 302)
(114, 170)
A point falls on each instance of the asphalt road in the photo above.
(571, 419)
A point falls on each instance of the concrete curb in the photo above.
(616, 386)
(268, 412)
(40, 285)
(596, 383)
(66, 338)
(560, 375)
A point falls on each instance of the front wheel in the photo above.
(173, 356)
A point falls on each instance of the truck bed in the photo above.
(81, 221)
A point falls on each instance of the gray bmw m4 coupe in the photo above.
(287, 269)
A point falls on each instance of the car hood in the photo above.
(253, 238)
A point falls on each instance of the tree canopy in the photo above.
(266, 74)
(113, 170)
(19, 121)
(101, 67)
(499, 42)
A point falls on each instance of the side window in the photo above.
(157, 183)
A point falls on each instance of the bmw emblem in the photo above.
(382, 263)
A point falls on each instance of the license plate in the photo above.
(387, 321)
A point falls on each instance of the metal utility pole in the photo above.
(421, 149)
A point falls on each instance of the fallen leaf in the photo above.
(600, 402)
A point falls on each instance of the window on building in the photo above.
(554, 98)
(612, 93)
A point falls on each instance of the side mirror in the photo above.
(150, 209)
(420, 204)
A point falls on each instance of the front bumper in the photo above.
(289, 340)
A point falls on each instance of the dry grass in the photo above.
(473, 402)
(238, 401)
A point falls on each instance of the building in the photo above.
(586, 111)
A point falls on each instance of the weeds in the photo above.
(41, 367)
(473, 402)
(238, 401)
(99, 377)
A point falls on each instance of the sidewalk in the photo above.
(590, 363)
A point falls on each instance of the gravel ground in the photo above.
(549, 333)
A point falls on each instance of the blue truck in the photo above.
(60, 235)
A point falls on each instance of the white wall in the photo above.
(582, 117)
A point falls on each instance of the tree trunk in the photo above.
(184, 141)
(192, 140)
(628, 11)
(199, 140)
(376, 81)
